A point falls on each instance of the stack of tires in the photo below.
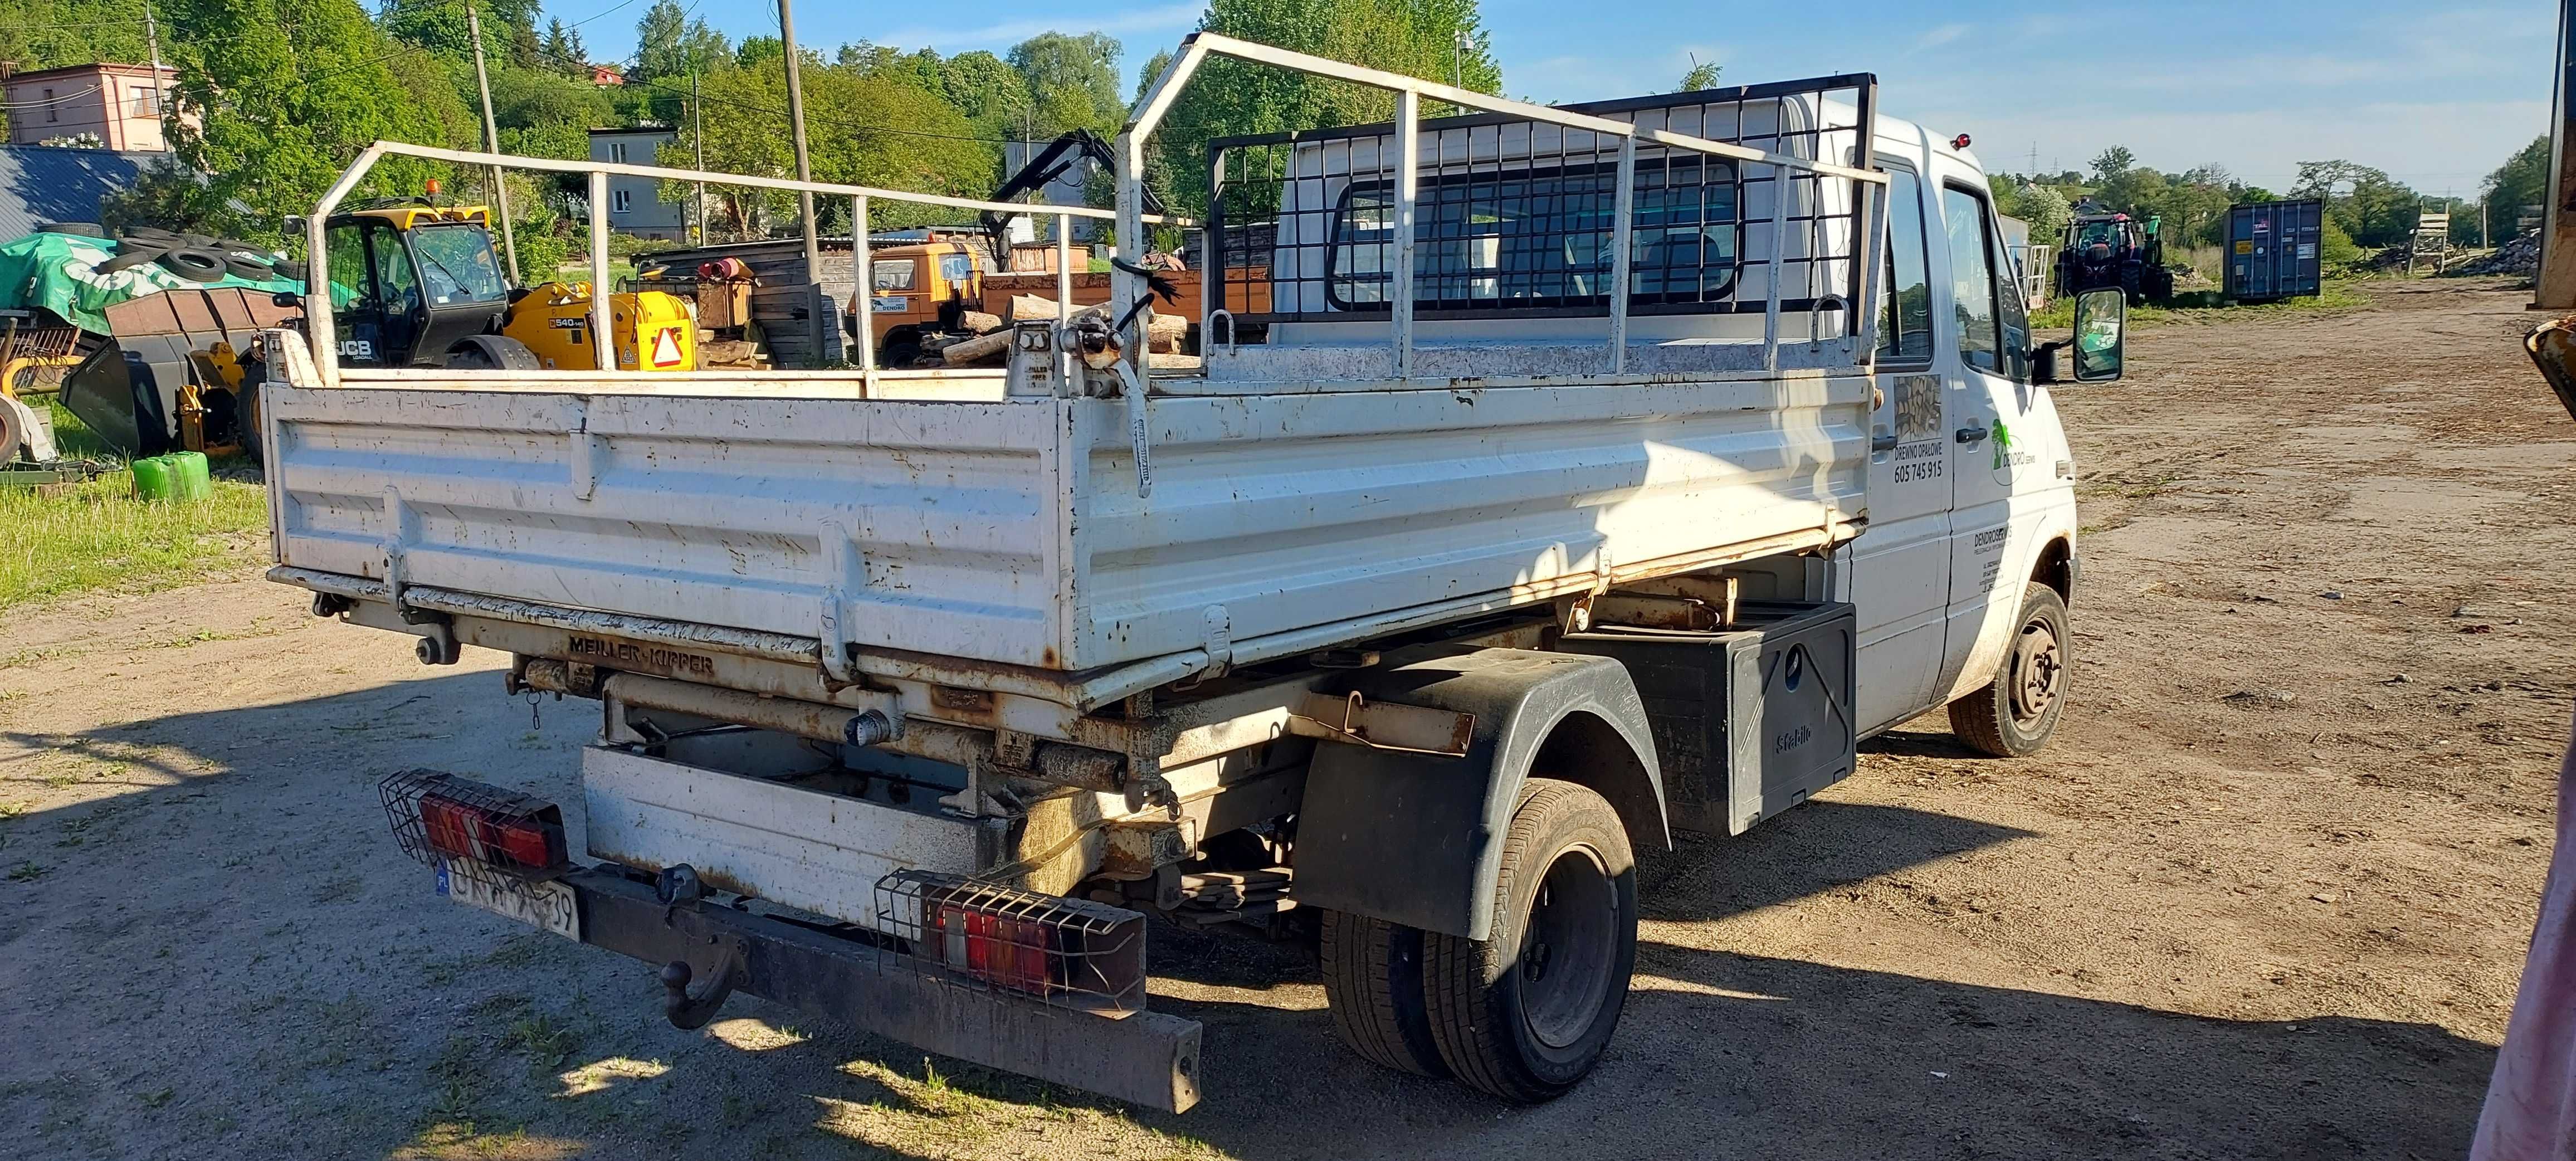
(195, 257)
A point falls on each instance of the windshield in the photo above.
(2103, 233)
(456, 264)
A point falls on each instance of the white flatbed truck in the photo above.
(1442, 586)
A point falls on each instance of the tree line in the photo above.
(282, 94)
(2366, 209)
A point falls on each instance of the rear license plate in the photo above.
(545, 905)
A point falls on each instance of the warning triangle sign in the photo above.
(666, 348)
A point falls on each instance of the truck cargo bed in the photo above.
(1009, 530)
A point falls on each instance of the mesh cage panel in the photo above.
(1071, 953)
(1514, 217)
(436, 816)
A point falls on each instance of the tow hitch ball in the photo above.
(678, 886)
(687, 1012)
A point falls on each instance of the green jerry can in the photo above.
(176, 476)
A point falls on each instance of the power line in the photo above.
(301, 78)
(756, 107)
(612, 8)
(53, 100)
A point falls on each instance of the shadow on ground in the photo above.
(332, 1005)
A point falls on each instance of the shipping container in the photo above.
(2273, 250)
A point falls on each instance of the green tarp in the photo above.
(58, 272)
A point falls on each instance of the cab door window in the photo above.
(891, 274)
(348, 261)
(1905, 314)
(1972, 278)
(354, 310)
(395, 279)
(2012, 312)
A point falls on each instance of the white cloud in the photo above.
(1937, 37)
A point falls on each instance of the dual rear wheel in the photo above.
(1526, 1013)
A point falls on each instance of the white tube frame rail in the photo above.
(319, 309)
(1410, 92)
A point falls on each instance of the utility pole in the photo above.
(160, 96)
(698, 112)
(804, 166)
(492, 144)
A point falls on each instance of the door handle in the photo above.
(1883, 441)
(1972, 435)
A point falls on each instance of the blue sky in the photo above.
(2253, 85)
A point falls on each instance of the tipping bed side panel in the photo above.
(935, 521)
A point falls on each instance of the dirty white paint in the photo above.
(1011, 531)
(820, 852)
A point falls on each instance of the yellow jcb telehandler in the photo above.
(413, 285)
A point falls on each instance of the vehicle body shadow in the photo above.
(1724, 1055)
(1932, 739)
(1815, 847)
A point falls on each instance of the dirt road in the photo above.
(2266, 897)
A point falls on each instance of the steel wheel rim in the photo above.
(1566, 949)
(2038, 671)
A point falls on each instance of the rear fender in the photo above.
(1417, 839)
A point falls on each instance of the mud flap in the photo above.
(1416, 838)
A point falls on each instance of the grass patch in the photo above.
(100, 535)
(2207, 306)
(549, 1043)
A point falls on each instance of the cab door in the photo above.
(358, 311)
(1900, 571)
(397, 293)
(1986, 376)
(898, 295)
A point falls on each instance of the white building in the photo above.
(635, 204)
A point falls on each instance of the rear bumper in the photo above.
(1145, 1058)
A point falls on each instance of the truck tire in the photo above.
(1373, 980)
(2016, 713)
(902, 346)
(193, 265)
(1527, 1013)
(126, 261)
(246, 428)
(492, 353)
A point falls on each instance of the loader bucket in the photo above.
(129, 391)
(2553, 349)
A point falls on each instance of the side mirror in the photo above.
(295, 225)
(286, 298)
(2101, 323)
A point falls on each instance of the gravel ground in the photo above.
(2265, 897)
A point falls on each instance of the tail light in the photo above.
(1069, 952)
(438, 815)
